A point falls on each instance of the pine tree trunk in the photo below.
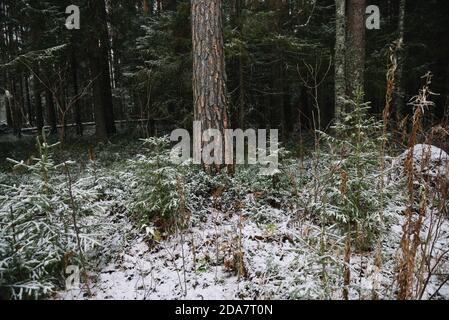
(51, 110)
(279, 105)
(105, 72)
(8, 112)
(446, 102)
(28, 100)
(38, 104)
(400, 94)
(340, 61)
(98, 49)
(241, 92)
(15, 107)
(77, 104)
(8, 101)
(146, 6)
(209, 75)
(101, 131)
(63, 114)
(238, 23)
(21, 100)
(355, 48)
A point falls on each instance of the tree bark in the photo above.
(209, 74)
(106, 76)
(101, 131)
(146, 6)
(400, 93)
(340, 61)
(38, 103)
(15, 108)
(279, 71)
(28, 100)
(99, 67)
(77, 104)
(355, 48)
(238, 23)
(22, 99)
(52, 120)
(8, 112)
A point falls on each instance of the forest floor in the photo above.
(282, 260)
(249, 246)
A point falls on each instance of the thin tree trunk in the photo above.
(8, 112)
(8, 107)
(38, 104)
(99, 112)
(241, 92)
(77, 104)
(52, 121)
(15, 107)
(105, 74)
(278, 110)
(62, 103)
(146, 6)
(400, 92)
(28, 100)
(21, 100)
(340, 61)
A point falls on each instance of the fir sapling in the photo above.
(156, 202)
(350, 193)
(38, 235)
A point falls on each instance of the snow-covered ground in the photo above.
(286, 255)
(282, 260)
(239, 243)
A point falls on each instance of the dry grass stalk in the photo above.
(411, 238)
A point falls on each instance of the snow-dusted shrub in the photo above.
(204, 190)
(246, 187)
(157, 183)
(279, 186)
(159, 187)
(44, 226)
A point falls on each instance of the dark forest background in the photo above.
(130, 64)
